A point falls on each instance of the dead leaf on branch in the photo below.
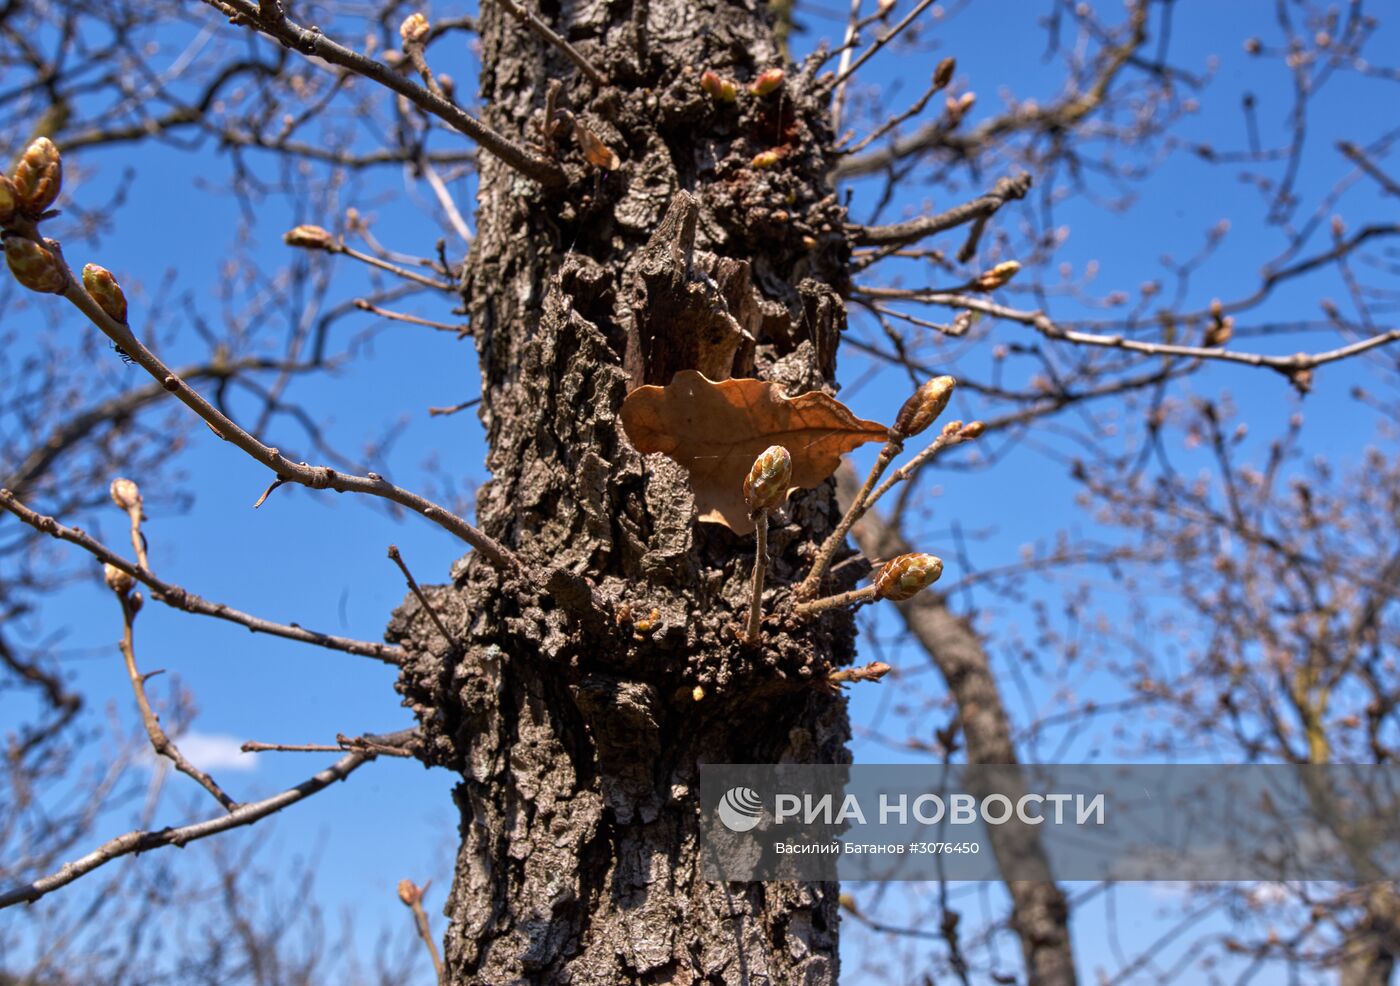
(716, 430)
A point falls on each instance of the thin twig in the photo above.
(445, 199)
(1007, 189)
(460, 330)
(314, 477)
(848, 43)
(312, 42)
(881, 41)
(760, 567)
(366, 743)
(412, 896)
(812, 583)
(1043, 324)
(454, 408)
(160, 742)
(178, 598)
(853, 598)
(133, 843)
(413, 585)
(395, 269)
(547, 33)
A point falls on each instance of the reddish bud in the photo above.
(720, 90)
(38, 176)
(409, 894)
(34, 266)
(906, 576)
(971, 430)
(767, 81)
(924, 407)
(766, 485)
(105, 290)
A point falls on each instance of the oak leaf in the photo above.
(716, 430)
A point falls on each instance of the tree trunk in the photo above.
(578, 740)
(1039, 912)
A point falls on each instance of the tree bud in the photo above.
(135, 601)
(105, 290)
(943, 74)
(766, 159)
(126, 494)
(767, 81)
(118, 581)
(971, 430)
(767, 483)
(9, 200)
(309, 237)
(414, 30)
(34, 266)
(905, 576)
(924, 407)
(992, 279)
(720, 90)
(38, 176)
(408, 893)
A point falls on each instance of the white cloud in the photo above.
(211, 751)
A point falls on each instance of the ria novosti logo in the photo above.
(740, 809)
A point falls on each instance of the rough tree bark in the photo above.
(1039, 911)
(578, 739)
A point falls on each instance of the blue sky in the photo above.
(319, 559)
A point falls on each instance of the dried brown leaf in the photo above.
(599, 155)
(716, 430)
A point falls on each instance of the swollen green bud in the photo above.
(906, 576)
(105, 290)
(924, 407)
(9, 200)
(767, 483)
(38, 176)
(34, 266)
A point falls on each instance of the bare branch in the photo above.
(133, 843)
(175, 596)
(311, 42)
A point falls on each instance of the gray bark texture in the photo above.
(1039, 911)
(578, 740)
